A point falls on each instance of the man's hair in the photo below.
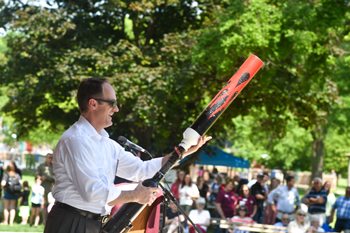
(318, 179)
(89, 88)
(289, 178)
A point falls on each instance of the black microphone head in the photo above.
(122, 140)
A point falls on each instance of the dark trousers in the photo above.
(64, 221)
(342, 224)
(259, 216)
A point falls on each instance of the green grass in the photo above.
(27, 175)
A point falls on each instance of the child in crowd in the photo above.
(24, 209)
(37, 200)
(50, 200)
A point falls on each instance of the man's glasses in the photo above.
(285, 219)
(302, 215)
(111, 103)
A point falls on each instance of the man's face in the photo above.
(347, 193)
(104, 111)
(317, 185)
(49, 158)
(291, 183)
(285, 219)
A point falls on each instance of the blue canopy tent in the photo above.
(219, 157)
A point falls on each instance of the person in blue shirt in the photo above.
(342, 204)
(284, 222)
(316, 200)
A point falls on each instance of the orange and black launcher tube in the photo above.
(122, 219)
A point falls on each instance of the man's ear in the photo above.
(93, 104)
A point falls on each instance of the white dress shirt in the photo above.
(86, 162)
(286, 198)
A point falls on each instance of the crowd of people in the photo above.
(30, 201)
(262, 200)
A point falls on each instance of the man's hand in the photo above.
(145, 195)
(201, 141)
(330, 220)
(274, 209)
(43, 178)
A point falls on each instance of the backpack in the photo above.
(13, 185)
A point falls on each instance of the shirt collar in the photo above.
(90, 130)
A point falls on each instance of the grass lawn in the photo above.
(28, 176)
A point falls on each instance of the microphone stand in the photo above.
(168, 195)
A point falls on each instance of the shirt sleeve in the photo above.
(272, 195)
(297, 203)
(89, 178)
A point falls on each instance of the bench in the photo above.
(252, 227)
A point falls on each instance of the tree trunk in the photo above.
(318, 135)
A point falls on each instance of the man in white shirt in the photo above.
(287, 197)
(86, 162)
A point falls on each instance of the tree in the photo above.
(299, 60)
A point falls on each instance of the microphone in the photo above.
(122, 140)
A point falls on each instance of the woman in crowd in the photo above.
(248, 200)
(17, 170)
(226, 202)
(270, 215)
(10, 198)
(241, 217)
(188, 191)
(177, 183)
(200, 217)
(204, 190)
(37, 200)
(215, 187)
(299, 225)
(330, 199)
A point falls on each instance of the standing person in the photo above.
(188, 191)
(204, 190)
(215, 187)
(86, 161)
(45, 171)
(316, 199)
(270, 214)
(11, 183)
(330, 199)
(24, 209)
(177, 183)
(226, 202)
(240, 181)
(37, 201)
(299, 225)
(342, 205)
(287, 197)
(248, 200)
(260, 194)
(200, 217)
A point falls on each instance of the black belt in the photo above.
(83, 213)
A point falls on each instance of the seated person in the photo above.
(285, 221)
(315, 225)
(200, 217)
(173, 219)
(299, 225)
(241, 217)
